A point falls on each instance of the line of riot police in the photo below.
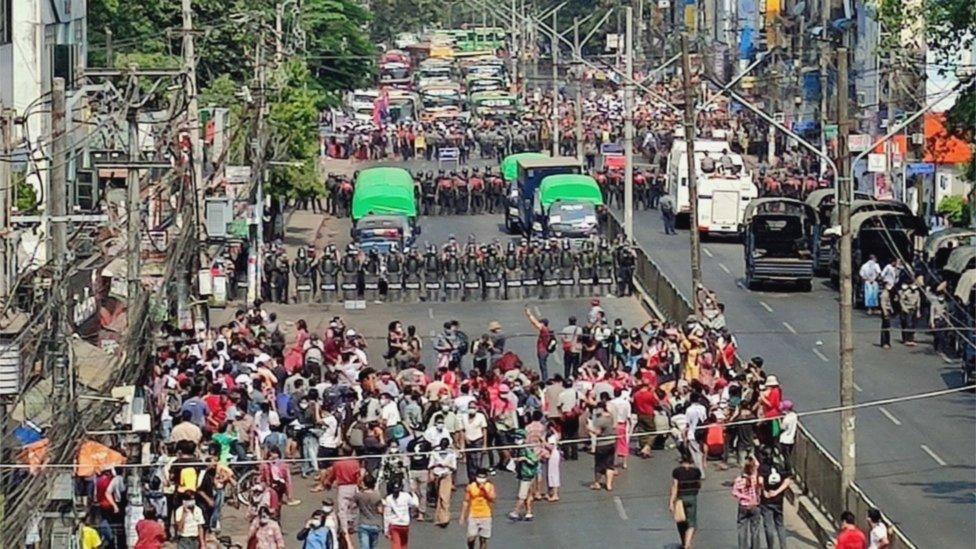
(553, 269)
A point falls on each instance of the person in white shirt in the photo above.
(474, 434)
(869, 274)
(442, 464)
(619, 408)
(695, 414)
(878, 537)
(397, 507)
(788, 425)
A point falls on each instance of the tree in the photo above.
(340, 54)
(955, 210)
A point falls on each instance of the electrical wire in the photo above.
(755, 421)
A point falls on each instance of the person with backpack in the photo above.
(316, 534)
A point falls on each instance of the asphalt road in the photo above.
(635, 514)
(915, 459)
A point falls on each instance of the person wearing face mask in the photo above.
(526, 461)
(265, 533)
(442, 464)
(476, 510)
(316, 534)
(474, 438)
(189, 524)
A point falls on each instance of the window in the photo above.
(5, 11)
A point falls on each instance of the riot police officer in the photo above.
(433, 270)
(604, 268)
(429, 189)
(471, 267)
(281, 272)
(530, 270)
(625, 259)
(372, 270)
(587, 268)
(412, 272)
(351, 272)
(549, 270)
(513, 272)
(567, 268)
(492, 273)
(268, 275)
(394, 275)
(452, 273)
(302, 269)
(328, 268)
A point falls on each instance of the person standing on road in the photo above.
(775, 481)
(474, 427)
(878, 535)
(369, 502)
(571, 348)
(910, 302)
(396, 515)
(850, 536)
(526, 468)
(869, 273)
(604, 429)
(545, 344)
(887, 311)
(479, 496)
(667, 213)
(442, 464)
(745, 491)
(683, 499)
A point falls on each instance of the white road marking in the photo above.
(933, 455)
(790, 328)
(858, 387)
(430, 313)
(822, 356)
(766, 306)
(620, 507)
(740, 284)
(889, 415)
(707, 252)
(724, 268)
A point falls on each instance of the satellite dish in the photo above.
(798, 9)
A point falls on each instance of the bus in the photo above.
(723, 193)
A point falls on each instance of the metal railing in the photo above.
(817, 473)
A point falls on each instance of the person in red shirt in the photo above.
(542, 343)
(850, 536)
(645, 401)
(346, 474)
(150, 532)
(217, 402)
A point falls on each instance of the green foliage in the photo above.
(338, 56)
(955, 210)
(341, 55)
(392, 17)
(26, 197)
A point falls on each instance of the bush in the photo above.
(955, 210)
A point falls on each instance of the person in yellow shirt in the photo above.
(88, 537)
(476, 510)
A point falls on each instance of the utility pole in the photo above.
(55, 230)
(629, 126)
(6, 201)
(689, 92)
(516, 50)
(889, 160)
(279, 26)
(257, 171)
(193, 109)
(578, 104)
(848, 455)
(134, 217)
(555, 85)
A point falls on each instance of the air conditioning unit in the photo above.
(219, 212)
